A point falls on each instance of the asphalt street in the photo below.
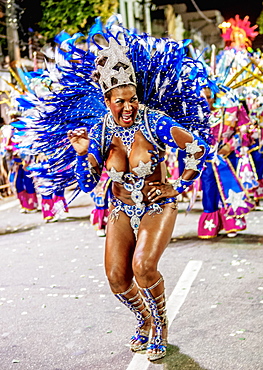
(57, 311)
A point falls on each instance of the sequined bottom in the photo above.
(135, 212)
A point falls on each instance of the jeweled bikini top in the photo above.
(127, 136)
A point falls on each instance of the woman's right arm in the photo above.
(88, 167)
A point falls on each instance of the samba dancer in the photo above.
(107, 127)
(131, 141)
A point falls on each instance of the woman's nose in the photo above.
(127, 105)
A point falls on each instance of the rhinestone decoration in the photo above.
(191, 163)
(126, 134)
(111, 75)
(144, 169)
(136, 196)
(156, 208)
(116, 176)
(177, 183)
(192, 148)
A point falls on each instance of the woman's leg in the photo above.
(31, 195)
(120, 245)
(19, 185)
(119, 249)
(154, 235)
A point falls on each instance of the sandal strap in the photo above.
(156, 284)
(129, 289)
(135, 303)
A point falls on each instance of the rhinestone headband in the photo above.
(118, 69)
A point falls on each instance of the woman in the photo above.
(220, 183)
(130, 142)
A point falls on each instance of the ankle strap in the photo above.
(128, 290)
(156, 284)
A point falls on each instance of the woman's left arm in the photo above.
(196, 149)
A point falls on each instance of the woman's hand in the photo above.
(160, 190)
(79, 140)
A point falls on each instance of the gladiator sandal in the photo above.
(135, 302)
(156, 348)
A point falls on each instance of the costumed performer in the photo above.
(224, 199)
(130, 142)
(53, 205)
(101, 196)
(20, 176)
(255, 151)
(107, 127)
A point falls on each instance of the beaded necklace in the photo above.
(126, 134)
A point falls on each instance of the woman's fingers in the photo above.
(160, 191)
(78, 132)
(155, 183)
(155, 194)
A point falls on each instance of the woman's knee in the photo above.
(144, 268)
(119, 280)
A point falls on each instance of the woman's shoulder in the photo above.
(157, 117)
(153, 116)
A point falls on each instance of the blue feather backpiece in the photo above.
(167, 80)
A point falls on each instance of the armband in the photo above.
(180, 185)
(86, 175)
(192, 163)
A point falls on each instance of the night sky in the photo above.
(228, 9)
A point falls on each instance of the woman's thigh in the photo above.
(154, 235)
(119, 249)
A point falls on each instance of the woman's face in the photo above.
(210, 98)
(124, 105)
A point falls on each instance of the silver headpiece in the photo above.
(118, 69)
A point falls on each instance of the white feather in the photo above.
(184, 107)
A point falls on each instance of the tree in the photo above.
(73, 16)
(260, 23)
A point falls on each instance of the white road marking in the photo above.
(8, 205)
(174, 304)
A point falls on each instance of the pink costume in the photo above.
(219, 180)
(101, 196)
